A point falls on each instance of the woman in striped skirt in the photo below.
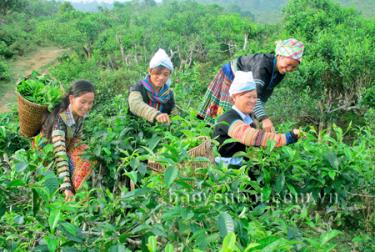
(63, 128)
(268, 71)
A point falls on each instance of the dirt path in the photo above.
(39, 60)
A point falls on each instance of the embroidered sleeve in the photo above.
(249, 136)
(139, 108)
(61, 157)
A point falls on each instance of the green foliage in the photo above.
(229, 243)
(8, 5)
(18, 27)
(316, 195)
(193, 209)
(270, 11)
(337, 68)
(225, 223)
(115, 52)
(30, 7)
(4, 50)
(368, 98)
(10, 139)
(40, 90)
(4, 71)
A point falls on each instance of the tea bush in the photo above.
(4, 71)
(315, 195)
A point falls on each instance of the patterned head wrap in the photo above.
(291, 48)
(242, 82)
(161, 58)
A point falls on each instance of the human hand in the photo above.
(267, 125)
(163, 118)
(68, 195)
(296, 132)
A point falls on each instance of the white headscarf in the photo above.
(161, 58)
(242, 82)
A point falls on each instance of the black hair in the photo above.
(78, 88)
(160, 68)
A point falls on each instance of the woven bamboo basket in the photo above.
(155, 166)
(202, 150)
(31, 116)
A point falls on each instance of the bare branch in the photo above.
(343, 107)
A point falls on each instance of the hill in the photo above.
(270, 11)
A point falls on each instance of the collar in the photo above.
(245, 117)
(68, 118)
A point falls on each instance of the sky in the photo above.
(100, 1)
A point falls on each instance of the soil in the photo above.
(38, 60)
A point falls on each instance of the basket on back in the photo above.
(35, 95)
(31, 116)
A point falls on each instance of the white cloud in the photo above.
(98, 1)
(101, 1)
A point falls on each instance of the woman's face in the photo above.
(82, 104)
(159, 76)
(246, 101)
(286, 65)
